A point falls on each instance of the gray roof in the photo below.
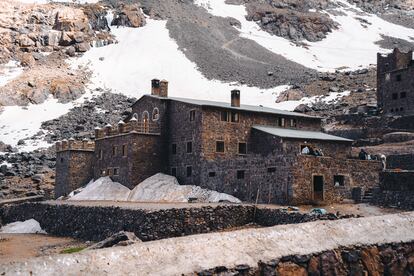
(243, 107)
(300, 134)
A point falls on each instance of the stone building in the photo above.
(395, 83)
(252, 152)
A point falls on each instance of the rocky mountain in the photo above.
(68, 66)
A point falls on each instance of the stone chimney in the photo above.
(235, 98)
(155, 87)
(164, 88)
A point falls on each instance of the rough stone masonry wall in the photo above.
(381, 259)
(396, 190)
(97, 223)
(357, 173)
(74, 169)
(401, 161)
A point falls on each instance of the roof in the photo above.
(300, 134)
(243, 107)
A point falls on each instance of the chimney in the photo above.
(235, 98)
(164, 88)
(155, 87)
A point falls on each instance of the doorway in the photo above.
(318, 187)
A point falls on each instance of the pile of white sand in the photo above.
(157, 188)
(103, 189)
(165, 188)
(30, 226)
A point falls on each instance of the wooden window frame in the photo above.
(245, 147)
(224, 146)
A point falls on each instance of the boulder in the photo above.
(290, 95)
(70, 20)
(25, 41)
(82, 47)
(129, 16)
(66, 39)
(27, 60)
(121, 238)
(302, 108)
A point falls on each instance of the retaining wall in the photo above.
(396, 190)
(97, 223)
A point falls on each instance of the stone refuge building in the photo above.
(395, 83)
(251, 152)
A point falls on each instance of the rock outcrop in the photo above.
(129, 16)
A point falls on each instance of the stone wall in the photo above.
(356, 173)
(381, 259)
(97, 223)
(396, 190)
(401, 161)
(74, 169)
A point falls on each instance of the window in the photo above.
(155, 114)
(174, 148)
(234, 117)
(392, 110)
(103, 172)
(189, 147)
(387, 77)
(242, 148)
(114, 150)
(240, 174)
(224, 116)
(398, 77)
(189, 171)
(61, 160)
(401, 109)
(271, 170)
(192, 115)
(403, 95)
(292, 122)
(219, 146)
(394, 96)
(174, 172)
(116, 171)
(211, 174)
(339, 180)
(100, 154)
(281, 122)
(124, 150)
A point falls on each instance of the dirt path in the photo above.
(20, 247)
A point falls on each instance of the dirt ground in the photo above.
(20, 247)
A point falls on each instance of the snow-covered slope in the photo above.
(148, 52)
(352, 45)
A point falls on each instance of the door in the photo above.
(145, 119)
(318, 187)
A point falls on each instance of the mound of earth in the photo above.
(165, 188)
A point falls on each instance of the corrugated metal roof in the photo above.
(243, 107)
(300, 134)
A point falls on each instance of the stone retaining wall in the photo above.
(400, 161)
(386, 259)
(97, 223)
(396, 190)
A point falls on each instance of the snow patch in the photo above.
(332, 98)
(352, 45)
(9, 71)
(103, 189)
(157, 188)
(128, 66)
(17, 122)
(30, 226)
(165, 188)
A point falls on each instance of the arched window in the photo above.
(155, 114)
(145, 116)
(135, 116)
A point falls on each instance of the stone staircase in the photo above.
(368, 195)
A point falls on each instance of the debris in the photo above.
(121, 238)
(318, 211)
